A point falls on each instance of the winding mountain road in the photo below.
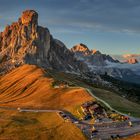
(105, 129)
(107, 105)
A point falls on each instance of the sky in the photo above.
(111, 26)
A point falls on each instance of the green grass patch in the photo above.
(19, 120)
(117, 102)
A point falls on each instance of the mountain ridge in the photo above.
(92, 57)
(26, 42)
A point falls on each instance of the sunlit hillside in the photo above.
(30, 86)
(135, 137)
(36, 126)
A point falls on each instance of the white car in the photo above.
(19, 109)
(76, 122)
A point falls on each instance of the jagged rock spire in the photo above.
(29, 16)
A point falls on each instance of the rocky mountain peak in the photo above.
(25, 42)
(83, 49)
(132, 60)
(80, 48)
(29, 16)
(91, 57)
(95, 52)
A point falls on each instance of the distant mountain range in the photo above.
(91, 57)
(25, 42)
(101, 63)
(132, 61)
(126, 57)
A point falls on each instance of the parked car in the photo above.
(76, 122)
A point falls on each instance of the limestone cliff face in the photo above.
(26, 42)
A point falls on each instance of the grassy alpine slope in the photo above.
(36, 126)
(31, 87)
(114, 100)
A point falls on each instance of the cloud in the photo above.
(125, 57)
(111, 15)
(130, 55)
(66, 31)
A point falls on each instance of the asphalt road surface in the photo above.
(105, 130)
